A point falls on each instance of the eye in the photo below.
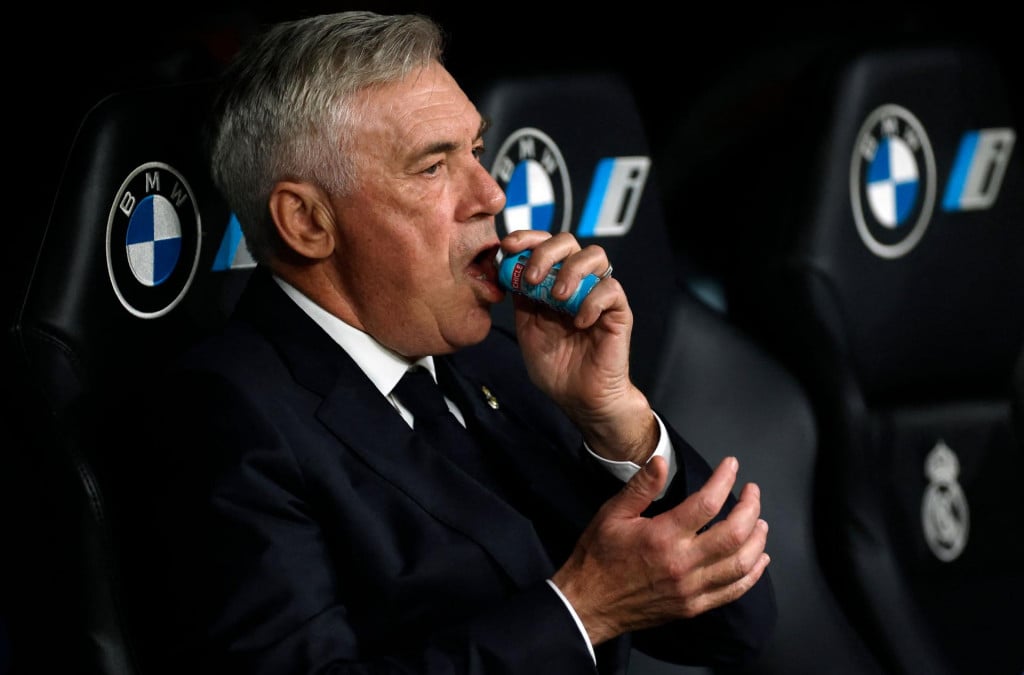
(478, 151)
(433, 168)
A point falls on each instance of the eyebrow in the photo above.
(443, 147)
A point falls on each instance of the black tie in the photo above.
(418, 392)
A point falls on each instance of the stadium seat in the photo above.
(140, 257)
(573, 159)
(571, 151)
(878, 253)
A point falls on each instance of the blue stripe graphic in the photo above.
(961, 168)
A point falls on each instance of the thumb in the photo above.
(640, 491)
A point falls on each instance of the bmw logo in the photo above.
(532, 172)
(153, 240)
(892, 181)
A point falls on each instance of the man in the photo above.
(314, 528)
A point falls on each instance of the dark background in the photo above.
(676, 58)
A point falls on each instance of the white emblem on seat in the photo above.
(944, 512)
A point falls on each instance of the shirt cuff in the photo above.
(625, 470)
(576, 618)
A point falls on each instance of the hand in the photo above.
(628, 572)
(582, 362)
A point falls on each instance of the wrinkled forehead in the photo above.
(426, 107)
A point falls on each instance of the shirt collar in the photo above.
(383, 366)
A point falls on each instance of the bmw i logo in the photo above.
(892, 181)
(532, 172)
(153, 240)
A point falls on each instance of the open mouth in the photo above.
(483, 266)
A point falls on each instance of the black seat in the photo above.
(140, 258)
(572, 157)
(578, 139)
(879, 254)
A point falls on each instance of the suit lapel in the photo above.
(386, 443)
(383, 440)
(541, 466)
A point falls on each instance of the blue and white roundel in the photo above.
(530, 199)
(530, 168)
(153, 241)
(892, 181)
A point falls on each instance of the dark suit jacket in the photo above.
(305, 528)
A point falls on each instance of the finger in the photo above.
(606, 296)
(591, 259)
(748, 507)
(742, 558)
(724, 537)
(518, 240)
(699, 508)
(751, 491)
(554, 249)
(639, 492)
(716, 597)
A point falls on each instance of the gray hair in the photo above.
(287, 107)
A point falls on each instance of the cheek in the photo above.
(402, 238)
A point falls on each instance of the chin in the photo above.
(474, 328)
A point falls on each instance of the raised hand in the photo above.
(629, 572)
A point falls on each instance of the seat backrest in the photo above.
(880, 256)
(571, 151)
(579, 164)
(140, 258)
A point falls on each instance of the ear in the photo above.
(302, 214)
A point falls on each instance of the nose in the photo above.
(489, 196)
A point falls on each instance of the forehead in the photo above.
(426, 107)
